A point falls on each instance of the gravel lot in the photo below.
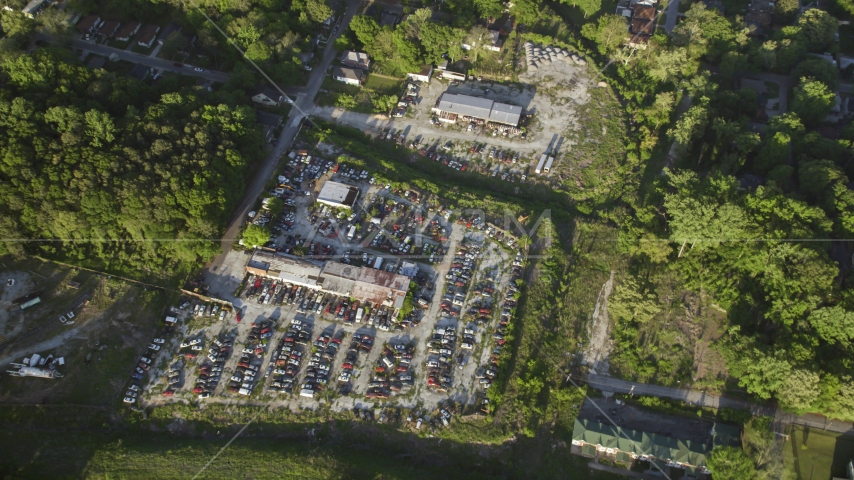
(551, 94)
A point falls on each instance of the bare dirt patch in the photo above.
(599, 348)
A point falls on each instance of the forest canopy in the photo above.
(113, 172)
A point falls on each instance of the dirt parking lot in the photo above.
(552, 94)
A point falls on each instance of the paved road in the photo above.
(672, 11)
(694, 397)
(303, 104)
(134, 57)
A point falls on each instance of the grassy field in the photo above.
(383, 84)
(79, 443)
(817, 455)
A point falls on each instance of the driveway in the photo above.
(672, 11)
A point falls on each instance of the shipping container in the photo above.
(540, 165)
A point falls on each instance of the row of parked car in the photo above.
(247, 373)
(361, 343)
(320, 364)
(393, 371)
(289, 355)
(134, 389)
(486, 374)
(210, 310)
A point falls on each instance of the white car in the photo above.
(195, 341)
(344, 377)
(133, 388)
(160, 341)
(197, 348)
(204, 395)
(222, 315)
(129, 400)
(199, 69)
(130, 394)
(154, 347)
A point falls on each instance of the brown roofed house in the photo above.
(128, 30)
(109, 28)
(639, 25)
(89, 24)
(645, 12)
(147, 35)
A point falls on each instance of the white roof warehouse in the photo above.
(338, 194)
(478, 107)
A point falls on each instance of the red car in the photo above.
(198, 390)
(168, 393)
(347, 366)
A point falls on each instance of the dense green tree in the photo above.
(317, 10)
(365, 28)
(818, 69)
(764, 375)
(526, 11)
(609, 33)
(835, 325)
(812, 101)
(730, 463)
(691, 125)
(786, 10)
(818, 28)
(796, 280)
(800, 389)
(154, 177)
(633, 302)
(255, 236)
(588, 7)
(489, 8)
(16, 25)
(773, 153)
(383, 103)
(703, 214)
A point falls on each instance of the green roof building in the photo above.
(626, 444)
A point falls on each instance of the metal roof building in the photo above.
(339, 278)
(478, 107)
(364, 283)
(506, 114)
(465, 105)
(338, 194)
(380, 287)
(291, 270)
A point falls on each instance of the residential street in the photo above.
(303, 103)
(693, 397)
(139, 58)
